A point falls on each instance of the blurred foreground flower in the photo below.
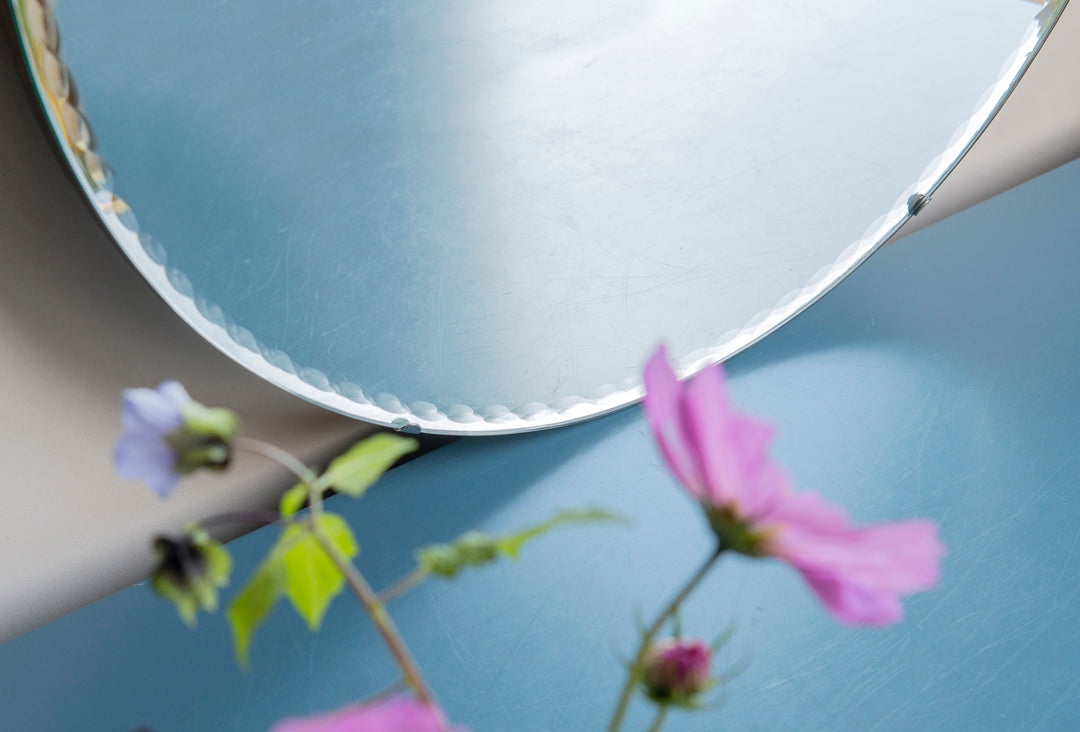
(721, 458)
(167, 435)
(677, 671)
(398, 714)
(190, 570)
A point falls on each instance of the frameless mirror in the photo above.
(479, 216)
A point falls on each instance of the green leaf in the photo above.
(337, 529)
(356, 470)
(475, 549)
(292, 500)
(298, 568)
(253, 604)
(511, 545)
(312, 579)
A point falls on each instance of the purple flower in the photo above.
(167, 435)
(677, 670)
(721, 458)
(398, 714)
(150, 416)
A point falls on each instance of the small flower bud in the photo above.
(190, 570)
(470, 550)
(676, 671)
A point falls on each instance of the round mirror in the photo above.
(480, 216)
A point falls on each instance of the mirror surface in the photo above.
(481, 216)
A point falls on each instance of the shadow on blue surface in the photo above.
(939, 380)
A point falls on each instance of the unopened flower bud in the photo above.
(676, 671)
(190, 570)
(470, 550)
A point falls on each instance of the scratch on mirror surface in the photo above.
(511, 651)
(1067, 693)
(455, 644)
(929, 423)
(598, 642)
(1065, 565)
(788, 679)
(225, 167)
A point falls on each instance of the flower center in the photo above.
(734, 533)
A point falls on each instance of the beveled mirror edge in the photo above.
(38, 39)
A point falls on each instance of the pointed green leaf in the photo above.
(292, 500)
(337, 529)
(313, 580)
(356, 470)
(511, 544)
(253, 604)
(475, 549)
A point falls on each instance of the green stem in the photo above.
(381, 618)
(661, 714)
(359, 586)
(275, 454)
(403, 585)
(650, 634)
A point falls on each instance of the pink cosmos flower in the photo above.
(721, 458)
(398, 714)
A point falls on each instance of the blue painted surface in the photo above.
(938, 381)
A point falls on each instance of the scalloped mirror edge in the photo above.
(39, 40)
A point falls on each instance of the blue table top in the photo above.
(938, 381)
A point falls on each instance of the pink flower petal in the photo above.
(807, 510)
(708, 424)
(860, 573)
(732, 449)
(398, 714)
(663, 408)
(853, 604)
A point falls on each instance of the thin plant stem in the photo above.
(403, 585)
(658, 722)
(381, 618)
(650, 634)
(275, 454)
(359, 586)
(263, 518)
